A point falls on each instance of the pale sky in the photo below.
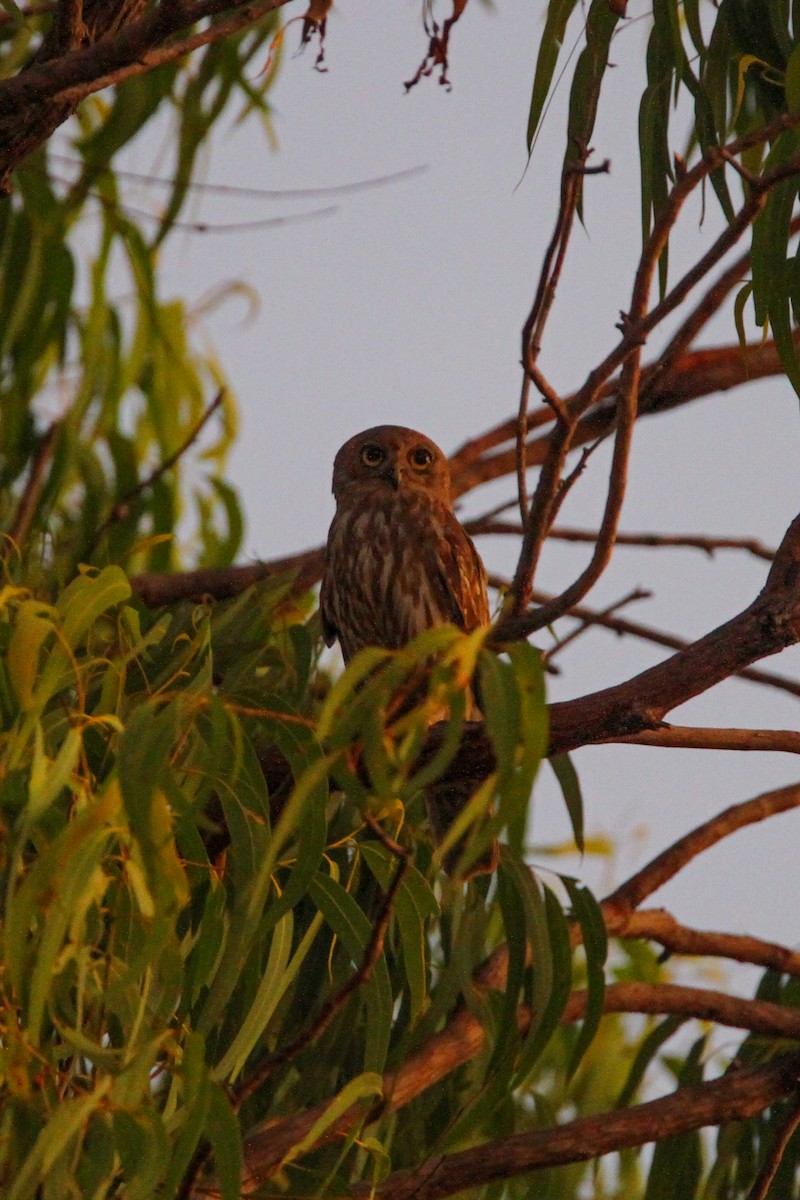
(405, 306)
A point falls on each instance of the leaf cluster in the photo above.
(171, 924)
(102, 377)
(717, 73)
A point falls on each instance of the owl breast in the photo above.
(392, 571)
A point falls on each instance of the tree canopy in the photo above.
(232, 963)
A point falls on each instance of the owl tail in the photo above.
(444, 802)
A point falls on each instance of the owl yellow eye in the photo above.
(371, 456)
(421, 458)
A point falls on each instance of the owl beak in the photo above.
(393, 475)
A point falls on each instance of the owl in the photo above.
(398, 562)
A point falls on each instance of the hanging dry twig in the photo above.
(438, 44)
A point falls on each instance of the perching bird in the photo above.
(398, 562)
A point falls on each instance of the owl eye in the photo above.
(371, 456)
(421, 458)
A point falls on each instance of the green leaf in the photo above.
(143, 761)
(677, 1163)
(54, 890)
(34, 624)
(49, 778)
(501, 709)
(69, 1118)
(415, 905)
(567, 777)
(226, 1138)
(87, 597)
(588, 78)
(558, 14)
(587, 912)
(192, 1116)
(274, 982)
(792, 81)
(367, 1086)
(551, 958)
(742, 296)
(143, 1149)
(645, 1054)
(351, 925)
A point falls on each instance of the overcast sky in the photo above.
(405, 306)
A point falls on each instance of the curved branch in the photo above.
(630, 894)
(768, 625)
(658, 925)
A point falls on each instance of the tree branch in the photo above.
(657, 925)
(629, 895)
(463, 1037)
(775, 1153)
(42, 96)
(735, 1096)
(682, 737)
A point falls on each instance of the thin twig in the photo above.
(709, 544)
(34, 485)
(522, 442)
(769, 1167)
(682, 737)
(129, 210)
(234, 189)
(122, 506)
(267, 1067)
(583, 625)
(630, 894)
(539, 516)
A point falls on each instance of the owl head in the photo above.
(393, 457)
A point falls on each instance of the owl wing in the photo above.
(328, 591)
(326, 594)
(461, 575)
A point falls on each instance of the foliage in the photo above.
(737, 65)
(150, 964)
(101, 377)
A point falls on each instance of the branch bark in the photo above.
(113, 42)
(735, 1096)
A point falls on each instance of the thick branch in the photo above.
(117, 45)
(734, 1097)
